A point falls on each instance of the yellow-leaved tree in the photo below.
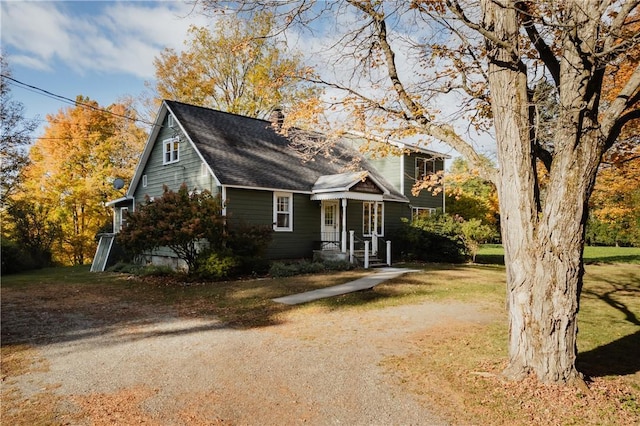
(237, 68)
(72, 169)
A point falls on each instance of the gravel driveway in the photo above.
(317, 368)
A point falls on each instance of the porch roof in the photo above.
(122, 201)
(359, 185)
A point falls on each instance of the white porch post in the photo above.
(374, 243)
(388, 253)
(344, 226)
(351, 245)
(366, 255)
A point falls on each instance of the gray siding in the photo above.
(186, 170)
(390, 167)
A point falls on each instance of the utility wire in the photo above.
(71, 101)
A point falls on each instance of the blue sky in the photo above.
(100, 49)
(105, 49)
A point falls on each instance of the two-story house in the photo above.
(311, 204)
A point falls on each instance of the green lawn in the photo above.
(455, 368)
(494, 254)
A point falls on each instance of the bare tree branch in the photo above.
(546, 54)
(443, 132)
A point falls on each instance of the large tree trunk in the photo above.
(543, 237)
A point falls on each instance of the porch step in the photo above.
(374, 261)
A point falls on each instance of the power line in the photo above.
(71, 101)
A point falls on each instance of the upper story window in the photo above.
(425, 167)
(171, 150)
(282, 211)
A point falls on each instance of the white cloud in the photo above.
(120, 37)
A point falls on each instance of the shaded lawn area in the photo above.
(452, 368)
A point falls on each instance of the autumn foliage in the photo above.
(72, 169)
(236, 68)
(184, 221)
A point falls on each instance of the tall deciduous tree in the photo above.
(73, 166)
(236, 68)
(16, 131)
(406, 56)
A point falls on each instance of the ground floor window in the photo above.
(123, 216)
(282, 211)
(417, 212)
(372, 218)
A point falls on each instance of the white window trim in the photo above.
(415, 211)
(144, 181)
(277, 228)
(170, 142)
(421, 173)
(123, 212)
(376, 212)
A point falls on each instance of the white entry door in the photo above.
(330, 230)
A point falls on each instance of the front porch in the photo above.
(360, 251)
(361, 193)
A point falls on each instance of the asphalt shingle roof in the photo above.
(249, 152)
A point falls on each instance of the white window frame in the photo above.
(375, 218)
(171, 150)
(171, 122)
(144, 181)
(278, 211)
(123, 214)
(417, 211)
(422, 169)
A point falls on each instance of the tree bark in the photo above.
(543, 238)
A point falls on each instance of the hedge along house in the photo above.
(321, 205)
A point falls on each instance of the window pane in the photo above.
(366, 218)
(282, 220)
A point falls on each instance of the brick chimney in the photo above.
(276, 118)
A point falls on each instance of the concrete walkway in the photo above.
(364, 283)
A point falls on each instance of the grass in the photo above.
(494, 254)
(455, 369)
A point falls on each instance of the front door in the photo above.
(330, 231)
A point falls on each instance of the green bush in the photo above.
(252, 266)
(156, 271)
(217, 265)
(434, 238)
(248, 240)
(15, 259)
(283, 269)
(126, 268)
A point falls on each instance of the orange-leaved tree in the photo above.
(73, 166)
